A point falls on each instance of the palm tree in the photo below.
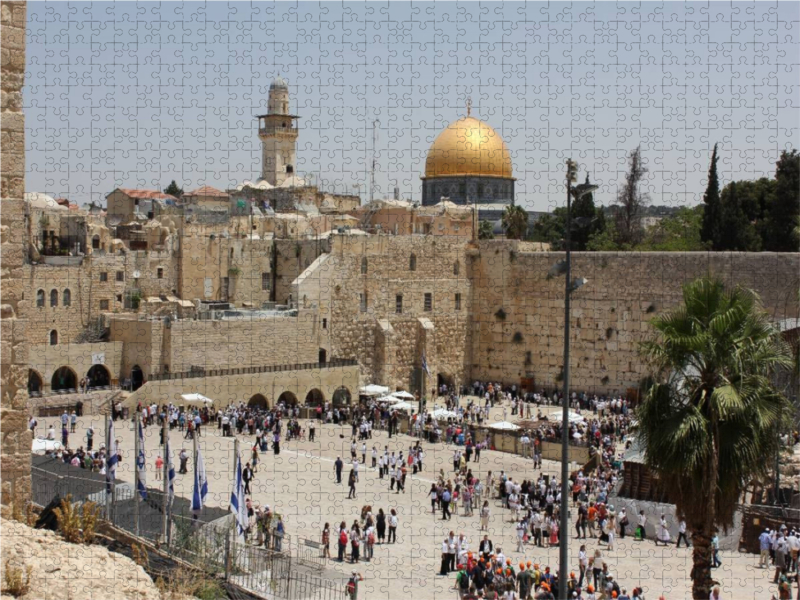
(711, 416)
(515, 222)
(485, 230)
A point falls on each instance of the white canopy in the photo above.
(196, 399)
(556, 416)
(403, 394)
(40, 446)
(403, 406)
(374, 390)
(443, 413)
(504, 425)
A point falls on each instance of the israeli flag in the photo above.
(112, 458)
(140, 464)
(200, 484)
(425, 364)
(170, 471)
(237, 499)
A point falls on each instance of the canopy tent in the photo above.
(40, 446)
(557, 415)
(374, 390)
(388, 399)
(443, 413)
(404, 395)
(403, 406)
(504, 425)
(197, 399)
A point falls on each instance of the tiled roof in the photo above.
(146, 194)
(207, 190)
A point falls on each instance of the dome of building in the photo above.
(468, 147)
(278, 82)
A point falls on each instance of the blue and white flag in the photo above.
(425, 364)
(237, 499)
(170, 470)
(200, 484)
(141, 483)
(112, 457)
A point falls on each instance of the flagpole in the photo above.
(136, 449)
(164, 434)
(108, 466)
(196, 488)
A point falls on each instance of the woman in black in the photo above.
(380, 525)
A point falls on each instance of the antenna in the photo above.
(375, 124)
(469, 105)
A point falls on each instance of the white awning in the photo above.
(403, 394)
(504, 425)
(556, 416)
(196, 399)
(404, 406)
(40, 446)
(443, 413)
(374, 390)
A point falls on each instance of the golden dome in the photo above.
(468, 147)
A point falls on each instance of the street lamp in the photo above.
(564, 267)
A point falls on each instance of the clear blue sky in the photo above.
(135, 94)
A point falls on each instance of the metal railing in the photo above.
(332, 364)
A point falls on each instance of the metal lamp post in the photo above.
(569, 287)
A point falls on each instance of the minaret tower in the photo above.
(278, 133)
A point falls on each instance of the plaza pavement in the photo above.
(300, 485)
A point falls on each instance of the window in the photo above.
(103, 304)
(103, 276)
(54, 338)
(119, 297)
(160, 273)
(53, 297)
(67, 298)
(120, 276)
(428, 302)
(266, 282)
(96, 242)
(398, 304)
(456, 268)
(363, 265)
(458, 301)
(324, 323)
(363, 301)
(412, 263)
(40, 298)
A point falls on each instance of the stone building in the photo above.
(278, 133)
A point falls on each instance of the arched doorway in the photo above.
(342, 397)
(315, 398)
(444, 379)
(98, 376)
(35, 382)
(323, 355)
(258, 401)
(137, 378)
(64, 379)
(288, 399)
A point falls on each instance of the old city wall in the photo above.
(517, 327)
(356, 290)
(292, 258)
(15, 458)
(45, 360)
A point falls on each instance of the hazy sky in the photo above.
(134, 94)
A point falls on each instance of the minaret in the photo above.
(278, 134)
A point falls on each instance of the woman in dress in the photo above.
(485, 514)
(380, 525)
(434, 495)
(663, 532)
(326, 541)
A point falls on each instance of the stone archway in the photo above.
(35, 382)
(137, 378)
(64, 379)
(315, 398)
(288, 399)
(258, 401)
(342, 397)
(98, 376)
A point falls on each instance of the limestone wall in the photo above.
(15, 461)
(609, 315)
(45, 360)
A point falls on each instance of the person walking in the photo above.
(486, 512)
(355, 543)
(351, 587)
(682, 533)
(326, 541)
(393, 527)
(351, 481)
(446, 496)
(159, 468)
(247, 475)
(73, 422)
(337, 467)
(342, 541)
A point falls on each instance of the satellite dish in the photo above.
(136, 274)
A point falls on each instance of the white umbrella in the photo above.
(403, 394)
(196, 399)
(40, 446)
(573, 417)
(403, 406)
(443, 413)
(504, 425)
(374, 390)
(391, 399)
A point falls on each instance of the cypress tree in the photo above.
(712, 213)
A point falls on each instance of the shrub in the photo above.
(17, 583)
(77, 525)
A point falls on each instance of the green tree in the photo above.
(785, 208)
(173, 190)
(737, 232)
(485, 230)
(711, 416)
(550, 228)
(605, 240)
(712, 214)
(630, 203)
(677, 233)
(587, 220)
(515, 222)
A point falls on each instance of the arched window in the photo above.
(67, 298)
(40, 298)
(53, 297)
(363, 265)
(412, 263)
(54, 338)
(456, 268)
